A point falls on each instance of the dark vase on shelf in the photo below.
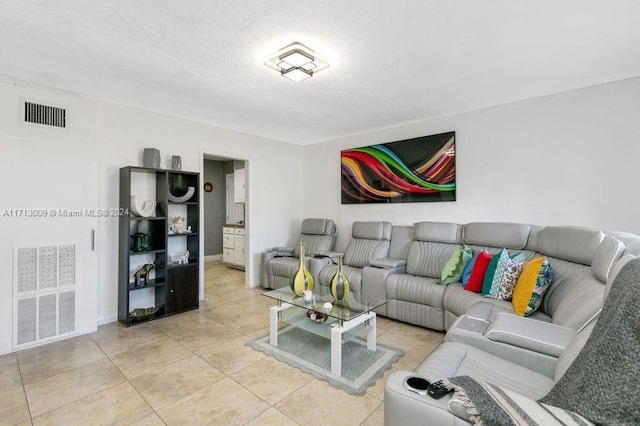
(339, 283)
(141, 241)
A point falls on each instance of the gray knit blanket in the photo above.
(601, 385)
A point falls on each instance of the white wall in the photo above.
(120, 133)
(47, 168)
(274, 168)
(570, 158)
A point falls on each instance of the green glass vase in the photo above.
(302, 280)
(339, 283)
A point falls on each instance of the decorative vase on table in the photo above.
(339, 283)
(302, 280)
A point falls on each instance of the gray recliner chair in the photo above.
(370, 240)
(280, 263)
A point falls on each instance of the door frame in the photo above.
(211, 154)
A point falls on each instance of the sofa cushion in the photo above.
(371, 230)
(575, 295)
(415, 289)
(427, 259)
(452, 359)
(495, 234)
(533, 282)
(453, 269)
(501, 258)
(316, 226)
(569, 243)
(478, 272)
(438, 232)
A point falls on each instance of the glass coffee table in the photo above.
(342, 321)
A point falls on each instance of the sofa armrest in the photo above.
(387, 263)
(374, 284)
(404, 407)
(282, 251)
(537, 336)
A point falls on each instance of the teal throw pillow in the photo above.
(491, 270)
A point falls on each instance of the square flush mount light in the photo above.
(296, 62)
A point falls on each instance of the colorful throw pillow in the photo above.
(501, 266)
(479, 269)
(511, 273)
(453, 269)
(535, 278)
(491, 270)
(467, 269)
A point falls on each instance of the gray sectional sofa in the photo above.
(485, 338)
(527, 355)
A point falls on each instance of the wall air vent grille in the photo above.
(44, 114)
(44, 295)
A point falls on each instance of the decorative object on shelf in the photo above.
(181, 258)
(176, 162)
(339, 283)
(178, 226)
(141, 276)
(208, 187)
(151, 158)
(143, 313)
(184, 198)
(302, 280)
(147, 209)
(316, 316)
(327, 305)
(141, 241)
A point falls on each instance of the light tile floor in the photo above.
(191, 368)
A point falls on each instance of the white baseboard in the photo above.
(213, 258)
(108, 320)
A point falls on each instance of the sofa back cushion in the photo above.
(574, 244)
(370, 241)
(438, 232)
(497, 234)
(432, 246)
(427, 259)
(318, 235)
(574, 296)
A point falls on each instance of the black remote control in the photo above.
(437, 390)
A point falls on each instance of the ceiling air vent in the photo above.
(44, 114)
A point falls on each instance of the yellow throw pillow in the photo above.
(525, 285)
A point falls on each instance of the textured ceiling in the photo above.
(391, 62)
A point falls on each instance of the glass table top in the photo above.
(342, 310)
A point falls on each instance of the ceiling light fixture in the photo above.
(296, 62)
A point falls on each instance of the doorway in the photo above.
(224, 212)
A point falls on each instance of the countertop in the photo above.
(233, 225)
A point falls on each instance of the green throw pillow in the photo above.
(453, 269)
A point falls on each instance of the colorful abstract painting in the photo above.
(412, 170)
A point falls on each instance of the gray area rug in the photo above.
(310, 353)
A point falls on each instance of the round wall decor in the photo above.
(208, 187)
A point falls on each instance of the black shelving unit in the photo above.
(172, 287)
